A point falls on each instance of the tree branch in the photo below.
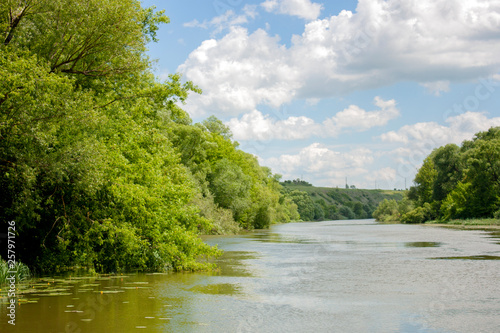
(14, 22)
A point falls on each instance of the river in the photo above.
(336, 276)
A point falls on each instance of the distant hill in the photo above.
(326, 203)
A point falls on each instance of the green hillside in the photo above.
(326, 203)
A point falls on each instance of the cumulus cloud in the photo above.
(390, 164)
(433, 42)
(239, 72)
(460, 128)
(361, 120)
(301, 8)
(325, 165)
(256, 126)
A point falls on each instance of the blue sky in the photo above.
(333, 89)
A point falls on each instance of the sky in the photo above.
(335, 91)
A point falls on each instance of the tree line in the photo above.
(99, 165)
(454, 182)
(326, 204)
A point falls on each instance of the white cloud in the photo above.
(390, 164)
(239, 72)
(433, 42)
(460, 128)
(256, 126)
(324, 165)
(361, 120)
(384, 175)
(437, 87)
(225, 21)
(301, 8)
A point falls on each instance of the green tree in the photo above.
(347, 212)
(483, 172)
(100, 167)
(455, 182)
(424, 180)
(455, 206)
(387, 211)
(87, 169)
(231, 187)
(90, 38)
(449, 170)
(304, 203)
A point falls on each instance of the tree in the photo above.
(483, 173)
(99, 166)
(215, 126)
(387, 211)
(230, 187)
(456, 182)
(449, 170)
(87, 170)
(347, 212)
(304, 203)
(424, 181)
(455, 205)
(91, 38)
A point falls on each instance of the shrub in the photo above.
(416, 215)
(387, 211)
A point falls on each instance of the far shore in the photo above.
(464, 226)
(472, 224)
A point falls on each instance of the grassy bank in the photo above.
(467, 224)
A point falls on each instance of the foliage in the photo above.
(20, 271)
(304, 203)
(222, 222)
(417, 215)
(455, 204)
(458, 182)
(425, 180)
(297, 181)
(99, 166)
(318, 204)
(387, 211)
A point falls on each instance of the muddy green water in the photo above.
(339, 276)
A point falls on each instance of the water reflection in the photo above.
(480, 257)
(271, 237)
(423, 244)
(232, 264)
(218, 289)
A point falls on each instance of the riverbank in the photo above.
(471, 224)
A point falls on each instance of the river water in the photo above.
(337, 276)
